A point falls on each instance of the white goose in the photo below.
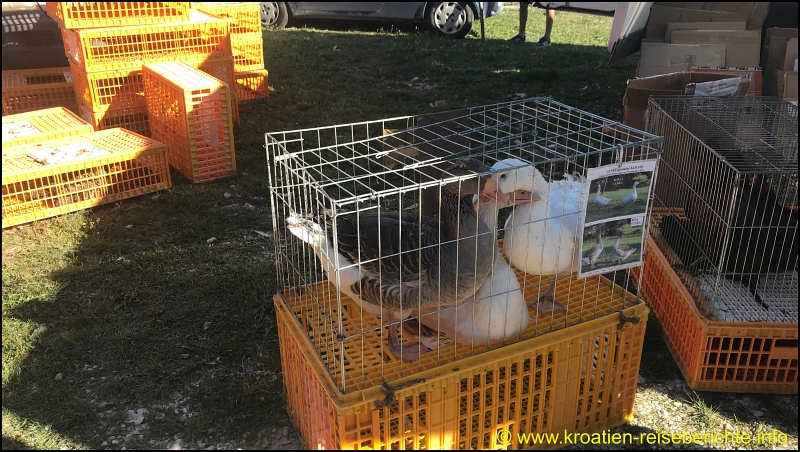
(599, 199)
(543, 238)
(499, 311)
(622, 250)
(630, 197)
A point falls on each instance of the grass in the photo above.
(706, 415)
(128, 305)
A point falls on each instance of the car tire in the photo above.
(450, 19)
(274, 15)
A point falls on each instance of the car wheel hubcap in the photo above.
(450, 17)
(269, 13)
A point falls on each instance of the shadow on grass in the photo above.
(149, 313)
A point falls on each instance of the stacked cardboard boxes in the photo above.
(780, 53)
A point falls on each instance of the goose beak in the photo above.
(520, 196)
(492, 191)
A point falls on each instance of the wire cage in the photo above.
(324, 179)
(726, 203)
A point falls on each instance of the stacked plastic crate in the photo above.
(247, 45)
(35, 89)
(108, 42)
(191, 112)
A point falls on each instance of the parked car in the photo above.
(450, 19)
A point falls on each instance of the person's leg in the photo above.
(523, 21)
(548, 24)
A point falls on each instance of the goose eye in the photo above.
(502, 176)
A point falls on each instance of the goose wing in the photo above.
(377, 241)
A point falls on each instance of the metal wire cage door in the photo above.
(726, 203)
(399, 166)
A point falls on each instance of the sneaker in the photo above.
(517, 38)
(544, 42)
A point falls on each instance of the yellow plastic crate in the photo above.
(123, 89)
(133, 119)
(42, 125)
(245, 17)
(248, 54)
(252, 84)
(714, 355)
(191, 112)
(35, 89)
(119, 164)
(581, 377)
(119, 48)
(116, 14)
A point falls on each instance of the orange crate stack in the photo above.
(34, 89)
(716, 355)
(133, 119)
(252, 85)
(116, 14)
(247, 45)
(42, 125)
(191, 112)
(58, 176)
(581, 378)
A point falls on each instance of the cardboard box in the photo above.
(660, 16)
(774, 32)
(775, 59)
(789, 91)
(755, 12)
(672, 26)
(640, 89)
(742, 47)
(790, 55)
(756, 76)
(661, 58)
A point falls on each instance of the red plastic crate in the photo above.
(717, 355)
(248, 55)
(252, 84)
(116, 14)
(35, 89)
(120, 164)
(190, 111)
(121, 48)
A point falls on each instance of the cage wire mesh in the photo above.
(322, 176)
(726, 203)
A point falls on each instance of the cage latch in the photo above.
(623, 320)
(389, 391)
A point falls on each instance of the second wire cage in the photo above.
(726, 203)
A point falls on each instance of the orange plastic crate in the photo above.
(248, 55)
(42, 125)
(191, 112)
(580, 378)
(123, 89)
(120, 48)
(35, 89)
(126, 165)
(133, 119)
(116, 14)
(222, 69)
(252, 84)
(717, 355)
(245, 17)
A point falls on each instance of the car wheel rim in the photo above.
(450, 17)
(269, 13)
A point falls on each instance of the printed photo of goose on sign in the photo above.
(616, 206)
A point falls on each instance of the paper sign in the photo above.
(14, 130)
(616, 207)
(68, 153)
(725, 87)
